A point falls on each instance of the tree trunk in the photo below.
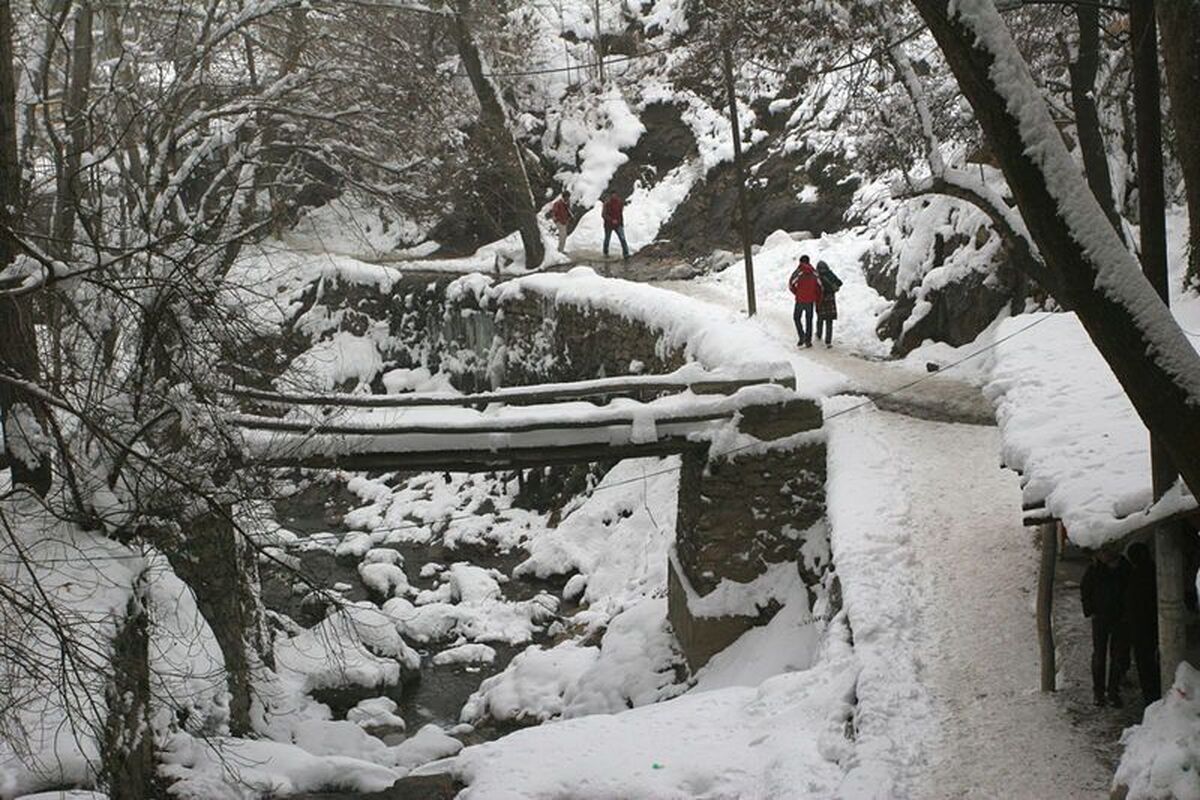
(500, 142)
(740, 170)
(1147, 93)
(68, 184)
(1132, 329)
(222, 571)
(23, 417)
(1180, 24)
(1171, 543)
(1087, 120)
(128, 768)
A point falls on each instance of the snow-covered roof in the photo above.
(1072, 433)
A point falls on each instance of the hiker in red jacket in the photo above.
(613, 214)
(560, 212)
(805, 286)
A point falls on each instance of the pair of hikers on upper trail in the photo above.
(815, 290)
(612, 213)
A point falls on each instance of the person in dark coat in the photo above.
(1102, 591)
(1141, 620)
(613, 214)
(827, 306)
(805, 287)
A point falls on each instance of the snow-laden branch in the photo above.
(1118, 274)
(966, 185)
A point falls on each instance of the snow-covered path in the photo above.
(975, 574)
(898, 386)
(948, 696)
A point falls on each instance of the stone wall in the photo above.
(482, 342)
(546, 341)
(741, 513)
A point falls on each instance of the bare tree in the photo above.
(1179, 22)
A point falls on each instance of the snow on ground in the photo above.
(52, 695)
(1069, 428)
(948, 394)
(349, 226)
(1162, 755)
(859, 306)
(939, 597)
(783, 738)
(615, 543)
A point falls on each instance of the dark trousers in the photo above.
(825, 327)
(1145, 656)
(802, 315)
(620, 231)
(1110, 656)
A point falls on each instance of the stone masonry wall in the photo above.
(524, 339)
(741, 513)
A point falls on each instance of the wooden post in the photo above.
(1045, 604)
(740, 169)
(1152, 213)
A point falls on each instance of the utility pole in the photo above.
(1168, 550)
(740, 169)
(599, 44)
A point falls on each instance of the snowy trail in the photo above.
(938, 396)
(940, 595)
(976, 576)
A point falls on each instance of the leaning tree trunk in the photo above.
(22, 416)
(500, 142)
(1180, 24)
(1128, 323)
(1087, 120)
(221, 569)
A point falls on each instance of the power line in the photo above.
(588, 64)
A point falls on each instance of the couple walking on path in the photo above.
(613, 214)
(815, 290)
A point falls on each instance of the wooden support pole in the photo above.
(740, 170)
(1045, 603)
(1152, 216)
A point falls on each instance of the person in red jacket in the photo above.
(613, 214)
(805, 286)
(560, 212)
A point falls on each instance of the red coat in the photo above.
(560, 212)
(804, 284)
(614, 211)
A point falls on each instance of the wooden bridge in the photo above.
(512, 428)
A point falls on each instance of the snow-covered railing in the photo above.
(1072, 434)
(691, 377)
(467, 438)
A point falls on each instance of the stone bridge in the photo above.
(750, 520)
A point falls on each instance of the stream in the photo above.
(315, 513)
